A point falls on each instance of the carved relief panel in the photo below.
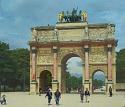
(98, 55)
(65, 51)
(44, 57)
(71, 35)
(45, 36)
(98, 34)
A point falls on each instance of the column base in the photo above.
(86, 85)
(110, 84)
(55, 85)
(33, 87)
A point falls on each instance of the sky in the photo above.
(75, 66)
(99, 75)
(18, 16)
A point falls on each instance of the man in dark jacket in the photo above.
(57, 96)
(81, 91)
(87, 94)
(49, 95)
(110, 91)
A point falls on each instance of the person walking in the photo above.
(87, 93)
(49, 95)
(3, 100)
(40, 91)
(57, 96)
(110, 91)
(81, 91)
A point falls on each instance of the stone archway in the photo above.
(51, 46)
(64, 86)
(45, 80)
(98, 81)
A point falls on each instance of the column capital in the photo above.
(54, 81)
(109, 49)
(86, 48)
(55, 49)
(33, 50)
(87, 81)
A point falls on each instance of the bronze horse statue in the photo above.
(72, 17)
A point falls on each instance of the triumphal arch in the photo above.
(72, 35)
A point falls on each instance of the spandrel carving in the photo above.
(46, 36)
(111, 32)
(98, 54)
(97, 34)
(44, 60)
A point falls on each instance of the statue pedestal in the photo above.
(76, 24)
(55, 85)
(87, 85)
(33, 86)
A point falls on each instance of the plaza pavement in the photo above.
(20, 99)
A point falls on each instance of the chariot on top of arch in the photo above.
(73, 16)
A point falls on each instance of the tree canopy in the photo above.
(120, 66)
(14, 68)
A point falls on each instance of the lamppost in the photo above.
(124, 84)
(24, 77)
(0, 89)
(24, 81)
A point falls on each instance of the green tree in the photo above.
(14, 68)
(22, 59)
(120, 66)
(68, 80)
(73, 82)
(7, 71)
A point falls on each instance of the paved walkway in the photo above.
(67, 100)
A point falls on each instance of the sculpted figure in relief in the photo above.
(111, 31)
(98, 55)
(61, 16)
(44, 60)
(34, 35)
(84, 16)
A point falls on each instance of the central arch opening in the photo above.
(72, 73)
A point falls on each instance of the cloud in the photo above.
(99, 75)
(106, 5)
(18, 16)
(74, 65)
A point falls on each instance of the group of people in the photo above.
(86, 93)
(57, 96)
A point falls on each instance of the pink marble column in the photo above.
(109, 62)
(86, 49)
(55, 66)
(33, 74)
(54, 63)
